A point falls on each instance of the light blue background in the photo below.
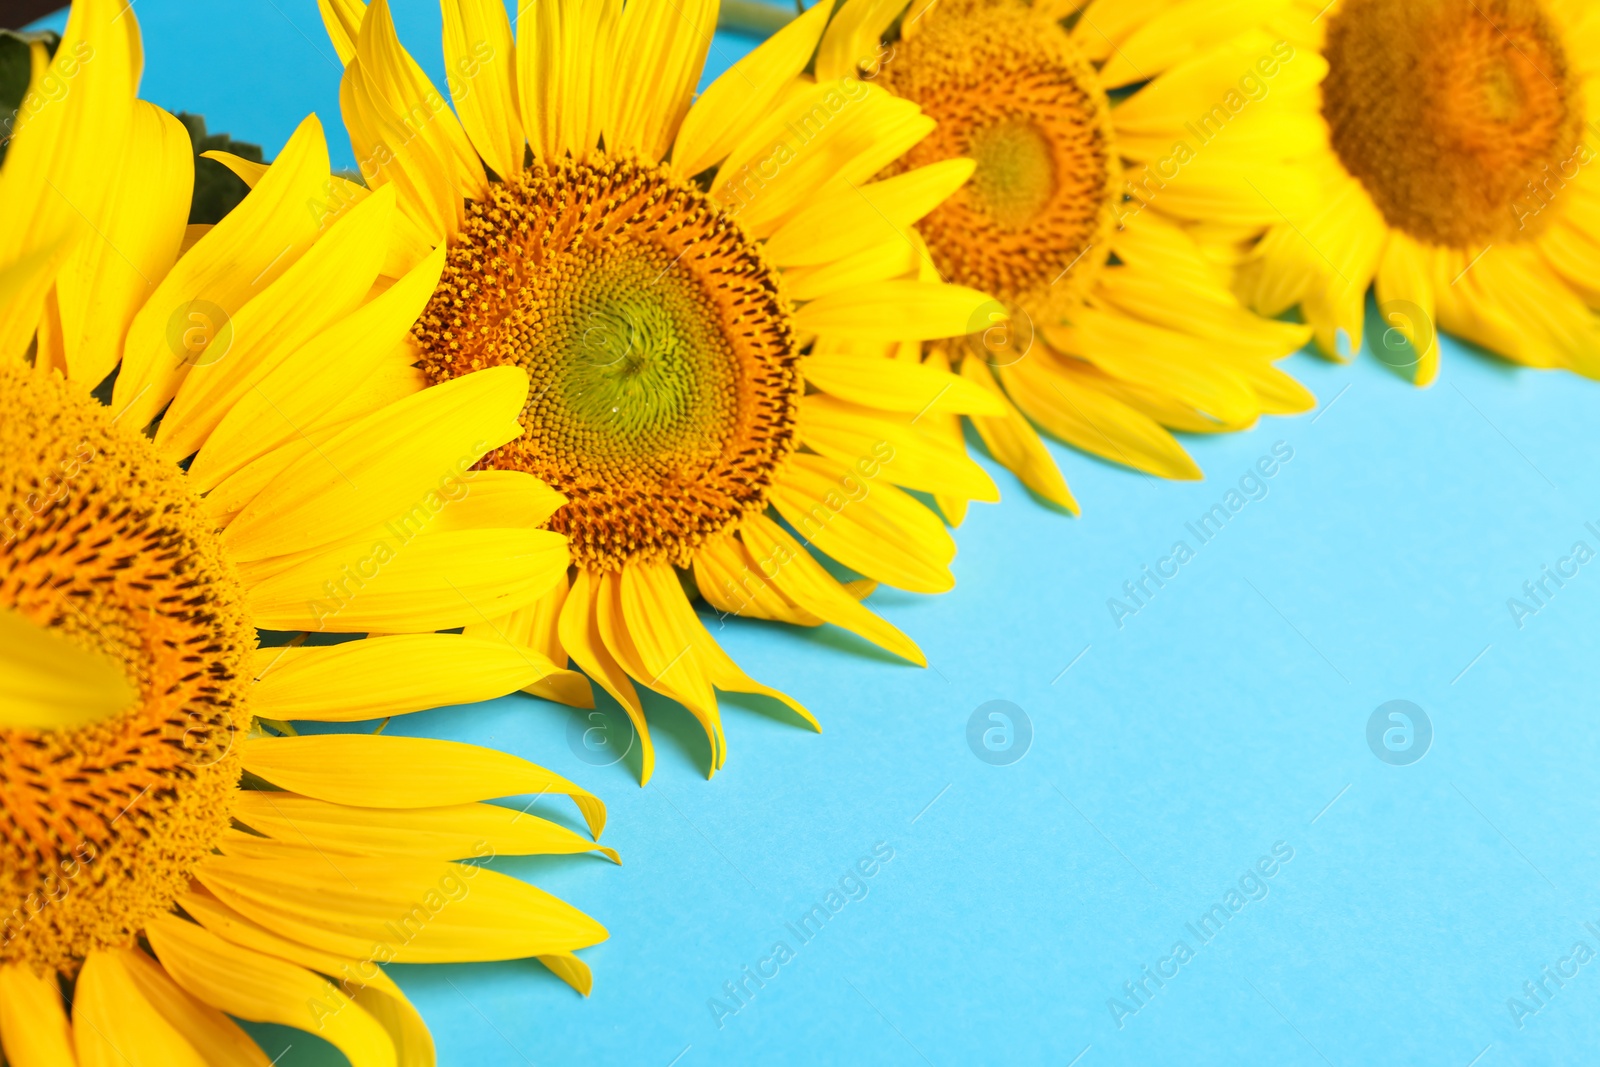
(1228, 715)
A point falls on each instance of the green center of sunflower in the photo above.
(1012, 92)
(101, 541)
(660, 350)
(1461, 118)
(1016, 173)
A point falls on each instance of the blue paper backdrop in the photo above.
(1223, 726)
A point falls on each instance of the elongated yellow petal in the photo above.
(401, 909)
(110, 275)
(33, 1025)
(421, 112)
(564, 64)
(805, 581)
(857, 217)
(398, 583)
(652, 634)
(1067, 403)
(49, 683)
(1015, 443)
(579, 629)
(460, 831)
(481, 73)
(852, 41)
(865, 523)
(383, 465)
(356, 974)
(895, 311)
(319, 290)
(377, 771)
(305, 391)
(217, 1039)
(260, 988)
(385, 676)
(746, 91)
(115, 1025)
(54, 183)
(895, 385)
(661, 49)
(238, 258)
(740, 584)
(343, 21)
(850, 434)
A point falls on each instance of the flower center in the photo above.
(1012, 92)
(1461, 118)
(664, 380)
(101, 541)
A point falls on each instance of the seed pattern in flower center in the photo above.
(101, 540)
(1459, 117)
(658, 343)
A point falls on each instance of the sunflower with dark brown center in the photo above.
(163, 831)
(1448, 160)
(702, 298)
(1120, 330)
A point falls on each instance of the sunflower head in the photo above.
(658, 343)
(1011, 91)
(104, 545)
(1450, 111)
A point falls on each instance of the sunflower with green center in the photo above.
(1076, 121)
(1449, 150)
(171, 853)
(660, 267)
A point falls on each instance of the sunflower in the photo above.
(172, 852)
(660, 267)
(1121, 329)
(1449, 153)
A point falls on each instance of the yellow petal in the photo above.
(400, 909)
(896, 311)
(383, 465)
(805, 581)
(398, 583)
(263, 989)
(111, 274)
(247, 251)
(738, 584)
(33, 1026)
(1014, 442)
(384, 676)
(218, 1039)
(1067, 404)
(114, 1024)
(733, 102)
(857, 217)
(482, 76)
(853, 40)
(460, 831)
(661, 48)
(564, 73)
(319, 290)
(53, 183)
(377, 771)
(853, 434)
(307, 390)
(343, 21)
(866, 524)
(579, 629)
